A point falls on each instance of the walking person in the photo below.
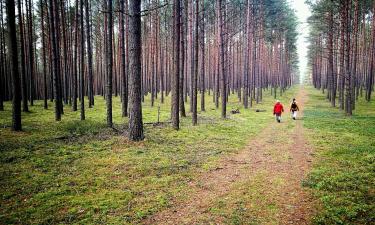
(278, 109)
(294, 108)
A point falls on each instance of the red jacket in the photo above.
(278, 108)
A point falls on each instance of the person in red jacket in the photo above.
(278, 109)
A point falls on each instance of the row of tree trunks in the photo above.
(203, 47)
(343, 60)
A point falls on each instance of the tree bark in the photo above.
(13, 55)
(109, 65)
(135, 64)
(54, 24)
(45, 90)
(176, 72)
(182, 66)
(370, 78)
(195, 75)
(89, 56)
(222, 68)
(123, 61)
(330, 58)
(82, 73)
(202, 44)
(348, 74)
(25, 106)
(75, 63)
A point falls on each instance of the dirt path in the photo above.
(278, 161)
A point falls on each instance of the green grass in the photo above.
(82, 172)
(343, 177)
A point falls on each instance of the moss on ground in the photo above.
(82, 172)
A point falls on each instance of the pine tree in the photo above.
(13, 55)
(135, 80)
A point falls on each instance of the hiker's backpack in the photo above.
(294, 106)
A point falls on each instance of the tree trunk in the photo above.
(182, 66)
(75, 63)
(89, 56)
(348, 74)
(54, 24)
(246, 63)
(25, 106)
(109, 65)
(135, 60)
(2, 61)
(45, 92)
(30, 50)
(176, 58)
(195, 75)
(355, 52)
(330, 59)
(82, 73)
(13, 55)
(123, 61)
(370, 79)
(202, 44)
(222, 68)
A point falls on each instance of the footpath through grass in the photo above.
(344, 175)
(82, 172)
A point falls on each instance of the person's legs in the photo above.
(278, 117)
(294, 115)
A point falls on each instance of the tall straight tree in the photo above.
(75, 63)
(45, 90)
(54, 33)
(176, 72)
(64, 67)
(82, 72)
(195, 75)
(372, 61)
(109, 64)
(123, 61)
(330, 56)
(348, 74)
(182, 60)
(246, 56)
(203, 67)
(89, 55)
(13, 54)
(222, 67)
(25, 106)
(31, 50)
(2, 60)
(135, 72)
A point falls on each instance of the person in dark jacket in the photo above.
(278, 109)
(294, 108)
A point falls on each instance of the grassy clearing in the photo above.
(82, 172)
(344, 175)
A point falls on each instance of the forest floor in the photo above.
(246, 169)
(262, 182)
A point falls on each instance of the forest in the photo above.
(73, 50)
(342, 50)
(160, 112)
